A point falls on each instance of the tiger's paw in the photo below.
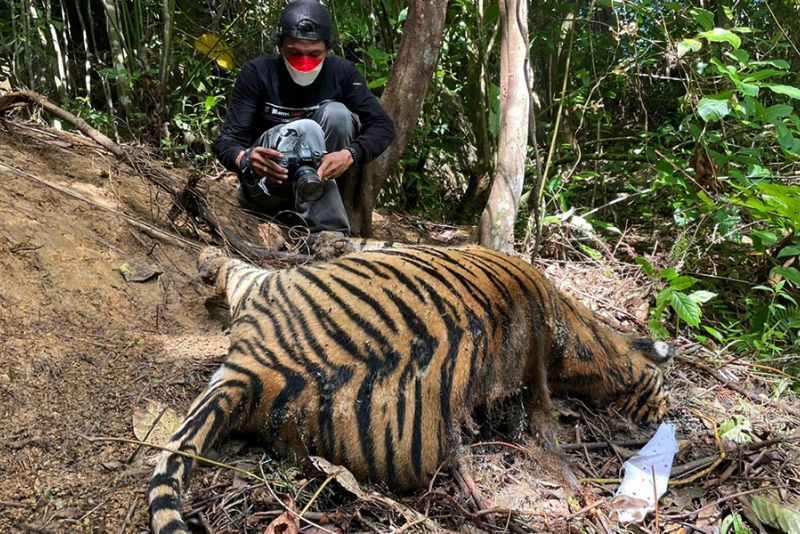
(209, 262)
(543, 428)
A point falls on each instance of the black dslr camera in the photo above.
(302, 165)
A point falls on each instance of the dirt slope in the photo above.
(81, 347)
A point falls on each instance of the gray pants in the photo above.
(332, 127)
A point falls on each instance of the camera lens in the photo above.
(309, 186)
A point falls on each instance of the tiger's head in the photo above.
(621, 372)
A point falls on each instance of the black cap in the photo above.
(306, 19)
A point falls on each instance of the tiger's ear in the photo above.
(655, 351)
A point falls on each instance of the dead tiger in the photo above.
(376, 359)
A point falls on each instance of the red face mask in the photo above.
(303, 63)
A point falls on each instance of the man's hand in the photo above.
(334, 164)
(262, 164)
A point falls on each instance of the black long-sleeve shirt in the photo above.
(265, 95)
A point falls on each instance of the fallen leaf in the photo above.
(137, 273)
(283, 524)
(706, 518)
(775, 515)
(674, 528)
(327, 528)
(286, 523)
(344, 477)
(154, 423)
(682, 498)
(630, 505)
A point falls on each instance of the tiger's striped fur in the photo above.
(375, 361)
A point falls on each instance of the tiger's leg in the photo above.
(538, 402)
(212, 415)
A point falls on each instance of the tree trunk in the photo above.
(477, 108)
(87, 63)
(116, 44)
(402, 99)
(496, 227)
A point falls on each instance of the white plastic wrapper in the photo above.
(638, 493)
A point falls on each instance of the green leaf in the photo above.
(711, 109)
(790, 273)
(647, 267)
(681, 283)
(777, 63)
(747, 89)
(733, 524)
(761, 75)
(210, 103)
(777, 112)
(701, 297)
(663, 298)
(788, 90)
(669, 273)
(773, 514)
(716, 333)
(686, 309)
(721, 35)
(703, 17)
(591, 252)
(736, 430)
(689, 45)
(792, 250)
(378, 82)
(763, 239)
(657, 329)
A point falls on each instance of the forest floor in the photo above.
(88, 353)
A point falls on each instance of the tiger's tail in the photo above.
(213, 414)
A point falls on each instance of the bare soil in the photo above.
(81, 349)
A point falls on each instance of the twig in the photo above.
(8, 504)
(124, 524)
(157, 234)
(502, 444)
(316, 494)
(25, 527)
(603, 445)
(132, 457)
(585, 510)
(737, 388)
(186, 199)
(655, 494)
(686, 515)
(714, 464)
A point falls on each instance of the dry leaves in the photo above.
(344, 477)
(154, 423)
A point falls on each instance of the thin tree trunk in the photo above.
(15, 36)
(477, 107)
(115, 43)
(103, 80)
(496, 227)
(402, 99)
(166, 55)
(59, 70)
(87, 64)
(65, 36)
(35, 27)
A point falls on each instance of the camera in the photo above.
(302, 163)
